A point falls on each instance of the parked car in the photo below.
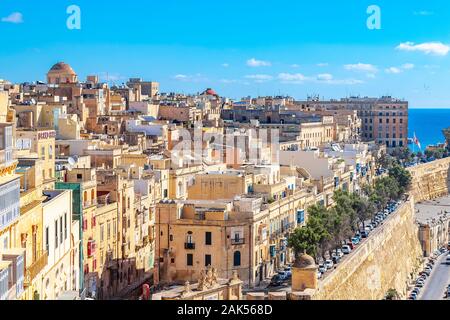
(355, 240)
(336, 259)
(329, 264)
(283, 275)
(322, 268)
(351, 245)
(346, 249)
(319, 274)
(364, 234)
(276, 281)
(339, 254)
(288, 271)
(447, 261)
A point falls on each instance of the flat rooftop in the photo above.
(427, 211)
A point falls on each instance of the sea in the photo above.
(428, 125)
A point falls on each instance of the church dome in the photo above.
(62, 67)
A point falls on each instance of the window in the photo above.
(61, 229)
(189, 238)
(207, 260)
(47, 239)
(65, 226)
(102, 231)
(56, 234)
(208, 238)
(109, 230)
(237, 259)
(43, 152)
(50, 152)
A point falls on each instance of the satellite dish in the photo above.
(71, 161)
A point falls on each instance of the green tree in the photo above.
(392, 294)
(403, 178)
(304, 240)
(364, 208)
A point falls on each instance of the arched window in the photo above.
(92, 195)
(85, 196)
(237, 259)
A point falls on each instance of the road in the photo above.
(438, 281)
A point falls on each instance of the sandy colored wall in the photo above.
(383, 262)
(430, 180)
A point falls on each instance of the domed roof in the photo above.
(62, 67)
(210, 92)
(305, 261)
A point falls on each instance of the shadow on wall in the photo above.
(120, 279)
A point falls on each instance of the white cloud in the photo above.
(408, 66)
(15, 17)
(423, 13)
(295, 65)
(345, 81)
(228, 81)
(393, 70)
(259, 77)
(190, 78)
(397, 70)
(370, 76)
(435, 48)
(292, 77)
(363, 67)
(258, 63)
(329, 79)
(180, 77)
(110, 77)
(225, 65)
(325, 77)
(322, 64)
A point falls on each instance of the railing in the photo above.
(237, 241)
(189, 246)
(36, 267)
(87, 204)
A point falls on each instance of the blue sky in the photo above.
(239, 47)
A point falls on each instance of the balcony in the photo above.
(35, 268)
(189, 246)
(236, 241)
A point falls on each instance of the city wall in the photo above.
(430, 180)
(388, 259)
(392, 255)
